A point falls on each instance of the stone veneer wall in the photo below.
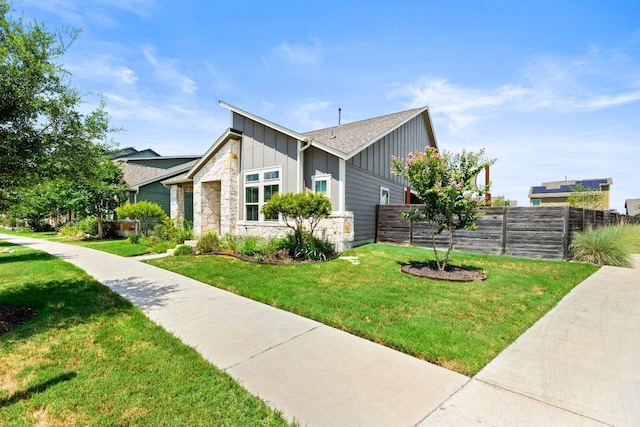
(337, 229)
(215, 204)
(177, 200)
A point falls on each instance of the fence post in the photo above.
(565, 233)
(503, 248)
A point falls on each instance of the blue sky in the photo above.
(550, 88)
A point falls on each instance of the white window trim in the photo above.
(321, 177)
(382, 190)
(260, 183)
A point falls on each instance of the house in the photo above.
(255, 158)
(632, 206)
(556, 193)
(144, 172)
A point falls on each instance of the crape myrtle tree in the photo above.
(43, 134)
(445, 182)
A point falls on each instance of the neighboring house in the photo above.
(144, 175)
(632, 206)
(130, 152)
(556, 193)
(256, 158)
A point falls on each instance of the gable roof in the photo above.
(136, 175)
(226, 136)
(345, 141)
(351, 138)
(130, 152)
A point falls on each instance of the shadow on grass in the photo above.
(60, 303)
(6, 257)
(39, 388)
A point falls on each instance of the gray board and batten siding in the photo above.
(529, 232)
(319, 162)
(264, 147)
(370, 169)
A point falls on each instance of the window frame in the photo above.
(320, 178)
(265, 179)
(382, 191)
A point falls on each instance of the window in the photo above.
(252, 177)
(321, 184)
(384, 196)
(535, 202)
(259, 187)
(251, 199)
(269, 191)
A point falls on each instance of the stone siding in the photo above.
(215, 192)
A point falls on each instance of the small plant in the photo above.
(162, 247)
(182, 250)
(145, 212)
(253, 246)
(134, 238)
(602, 246)
(208, 242)
(230, 243)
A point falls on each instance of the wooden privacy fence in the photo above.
(540, 232)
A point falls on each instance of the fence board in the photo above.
(532, 232)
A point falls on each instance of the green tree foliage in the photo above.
(584, 197)
(445, 182)
(500, 202)
(299, 211)
(96, 196)
(145, 212)
(42, 133)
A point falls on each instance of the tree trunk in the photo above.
(100, 232)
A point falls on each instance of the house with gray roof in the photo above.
(144, 176)
(256, 158)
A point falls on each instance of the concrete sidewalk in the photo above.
(579, 365)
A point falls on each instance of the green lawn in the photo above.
(120, 247)
(460, 326)
(90, 358)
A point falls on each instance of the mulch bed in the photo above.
(11, 317)
(451, 273)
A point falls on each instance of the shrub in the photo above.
(252, 246)
(602, 246)
(311, 248)
(145, 212)
(231, 243)
(134, 238)
(162, 247)
(89, 226)
(208, 242)
(183, 250)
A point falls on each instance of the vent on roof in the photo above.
(339, 116)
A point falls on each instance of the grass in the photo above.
(89, 357)
(460, 326)
(120, 247)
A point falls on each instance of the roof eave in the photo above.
(227, 135)
(363, 147)
(265, 122)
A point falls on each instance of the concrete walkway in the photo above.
(579, 365)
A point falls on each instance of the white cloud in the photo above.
(103, 68)
(300, 53)
(594, 81)
(166, 71)
(306, 115)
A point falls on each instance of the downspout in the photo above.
(303, 146)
